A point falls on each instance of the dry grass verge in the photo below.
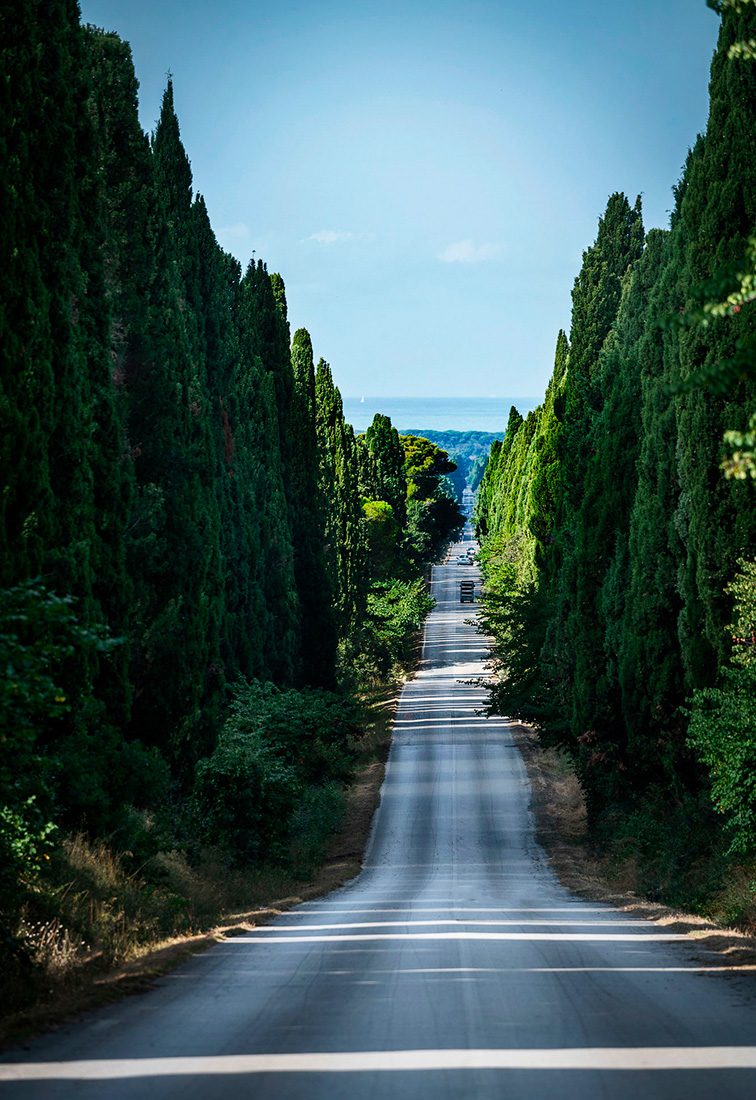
(223, 903)
(559, 810)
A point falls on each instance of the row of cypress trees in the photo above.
(610, 532)
(182, 501)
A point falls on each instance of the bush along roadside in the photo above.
(264, 825)
(280, 809)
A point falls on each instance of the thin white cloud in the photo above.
(465, 252)
(337, 236)
(237, 232)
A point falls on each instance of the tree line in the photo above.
(200, 565)
(618, 526)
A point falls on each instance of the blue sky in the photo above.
(424, 176)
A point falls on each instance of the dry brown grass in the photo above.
(559, 809)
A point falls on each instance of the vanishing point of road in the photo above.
(455, 966)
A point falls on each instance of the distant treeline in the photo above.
(614, 541)
(186, 518)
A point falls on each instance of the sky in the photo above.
(424, 175)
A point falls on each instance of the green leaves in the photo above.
(722, 6)
(741, 462)
(722, 729)
(274, 748)
(39, 632)
(395, 612)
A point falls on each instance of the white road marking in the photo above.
(372, 1061)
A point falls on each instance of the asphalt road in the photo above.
(454, 967)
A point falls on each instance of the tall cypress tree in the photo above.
(173, 540)
(66, 488)
(318, 655)
(690, 525)
(596, 299)
(388, 481)
(546, 479)
(650, 671)
(600, 556)
(262, 441)
(716, 518)
(344, 539)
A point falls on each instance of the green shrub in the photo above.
(672, 843)
(317, 816)
(722, 730)
(245, 797)
(39, 632)
(98, 773)
(395, 612)
(309, 730)
(276, 748)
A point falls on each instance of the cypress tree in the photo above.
(318, 656)
(173, 542)
(386, 463)
(490, 485)
(596, 298)
(546, 478)
(339, 483)
(66, 488)
(600, 556)
(261, 437)
(689, 525)
(716, 518)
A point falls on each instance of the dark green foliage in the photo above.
(275, 746)
(546, 484)
(39, 635)
(611, 533)
(432, 510)
(651, 675)
(245, 799)
(174, 466)
(339, 487)
(318, 646)
(722, 731)
(264, 332)
(159, 456)
(65, 487)
(518, 617)
(173, 537)
(395, 612)
(489, 493)
(382, 534)
(485, 490)
(382, 473)
(309, 729)
(468, 450)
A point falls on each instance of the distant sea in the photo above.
(460, 414)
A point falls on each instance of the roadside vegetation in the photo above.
(618, 523)
(206, 580)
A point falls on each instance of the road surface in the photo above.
(454, 967)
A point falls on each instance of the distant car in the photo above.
(467, 592)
